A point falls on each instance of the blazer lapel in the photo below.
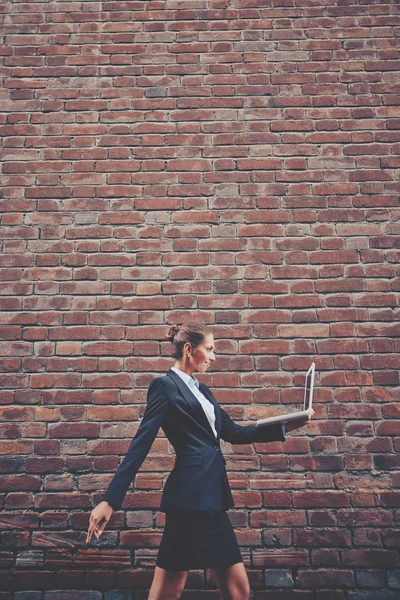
(194, 403)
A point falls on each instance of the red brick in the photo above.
(322, 538)
(280, 518)
(138, 539)
(310, 499)
(19, 482)
(27, 579)
(133, 578)
(391, 538)
(276, 499)
(361, 518)
(390, 499)
(317, 463)
(284, 558)
(363, 498)
(276, 538)
(325, 558)
(370, 538)
(321, 518)
(326, 578)
(74, 430)
(370, 558)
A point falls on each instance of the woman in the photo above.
(198, 533)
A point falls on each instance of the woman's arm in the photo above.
(156, 409)
(246, 434)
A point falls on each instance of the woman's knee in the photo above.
(236, 592)
(245, 592)
(167, 594)
(242, 592)
(233, 583)
(175, 593)
(167, 585)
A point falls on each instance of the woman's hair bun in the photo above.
(188, 332)
(173, 330)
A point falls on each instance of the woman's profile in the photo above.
(198, 533)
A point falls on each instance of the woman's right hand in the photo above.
(99, 518)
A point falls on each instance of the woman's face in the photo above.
(202, 356)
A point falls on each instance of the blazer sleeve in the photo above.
(156, 409)
(246, 434)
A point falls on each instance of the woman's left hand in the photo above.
(291, 425)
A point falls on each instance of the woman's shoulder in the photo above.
(162, 380)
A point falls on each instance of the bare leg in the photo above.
(233, 583)
(167, 585)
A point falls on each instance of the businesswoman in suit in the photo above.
(198, 533)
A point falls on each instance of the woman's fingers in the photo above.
(89, 534)
(93, 529)
(97, 517)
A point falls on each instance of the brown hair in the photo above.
(192, 332)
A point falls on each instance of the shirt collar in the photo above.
(186, 378)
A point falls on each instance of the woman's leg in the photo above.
(167, 585)
(233, 583)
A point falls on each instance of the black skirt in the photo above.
(197, 540)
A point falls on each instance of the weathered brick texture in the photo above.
(232, 161)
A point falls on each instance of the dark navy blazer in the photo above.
(198, 480)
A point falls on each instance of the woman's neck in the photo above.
(185, 368)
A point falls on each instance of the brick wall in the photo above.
(229, 161)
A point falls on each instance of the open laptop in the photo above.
(307, 403)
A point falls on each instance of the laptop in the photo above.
(307, 403)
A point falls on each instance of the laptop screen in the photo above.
(308, 387)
